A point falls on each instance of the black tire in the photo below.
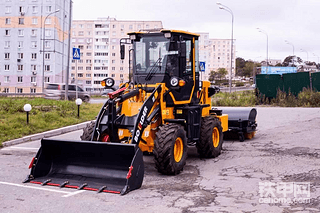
(211, 137)
(170, 149)
(88, 131)
(86, 99)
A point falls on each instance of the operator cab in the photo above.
(169, 57)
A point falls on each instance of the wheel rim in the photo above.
(250, 135)
(178, 149)
(215, 137)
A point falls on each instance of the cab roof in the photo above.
(164, 31)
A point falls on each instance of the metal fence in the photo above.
(269, 85)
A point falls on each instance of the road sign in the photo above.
(76, 53)
(202, 66)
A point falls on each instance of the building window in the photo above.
(21, 21)
(46, 79)
(48, 9)
(88, 82)
(47, 56)
(20, 55)
(80, 75)
(6, 90)
(121, 75)
(113, 54)
(8, 9)
(33, 67)
(130, 27)
(88, 75)
(8, 20)
(113, 68)
(20, 67)
(20, 44)
(33, 79)
(6, 55)
(20, 79)
(33, 90)
(89, 54)
(6, 67)
(121, 68)
(80, 68)
(20, 32)
(6, 79)
(33, 32)
(88, 68)
(48, 21)
(113, 75)
(19, 90)
(34, 9)
(47, 68)
(48, 32)
(47, 44)
(33, 56)
(88, 61)
(80, 33)
(113, 61)
(34, 21)
(7, 44)
(7, 32)
(33, 44)
(21, 9)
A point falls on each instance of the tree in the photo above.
(240, 64)
(212, 75)
(222, 72)
(291, 61)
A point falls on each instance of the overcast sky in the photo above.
(297, 21)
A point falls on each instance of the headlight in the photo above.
(108, 82)
(174, 81)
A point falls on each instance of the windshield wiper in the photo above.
(153, 69)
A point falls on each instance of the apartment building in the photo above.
(34, 44)
(99, 43)
(216, 53)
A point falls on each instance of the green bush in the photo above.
(45, 115)
(242, 98)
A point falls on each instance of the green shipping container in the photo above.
(316, 81)
(269, 85)
(295, 82)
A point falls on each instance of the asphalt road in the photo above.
(285, 152)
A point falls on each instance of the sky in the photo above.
(294, 21)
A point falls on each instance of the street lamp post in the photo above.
(307, 54)
(267, 60)
(223, 7)
(287, 42)
(43, 44)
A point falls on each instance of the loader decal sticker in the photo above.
(140, 125)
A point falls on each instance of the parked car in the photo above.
(57, 92)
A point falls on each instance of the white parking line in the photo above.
(73, 193)
(20, 148)
(67, 194)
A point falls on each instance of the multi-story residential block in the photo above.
(216, 53)
(34, 44)
(99, 43)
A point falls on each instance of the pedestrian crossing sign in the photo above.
(76, 53)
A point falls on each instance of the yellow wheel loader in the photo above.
(163, 109)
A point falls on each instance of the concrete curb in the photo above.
(47, 134)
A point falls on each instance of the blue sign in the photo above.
(76, 53)
(202, 66)
(278, 70)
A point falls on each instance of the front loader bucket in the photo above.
(96, 166)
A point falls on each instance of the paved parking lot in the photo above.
(259, 175)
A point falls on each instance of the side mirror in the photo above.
(122, 51)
